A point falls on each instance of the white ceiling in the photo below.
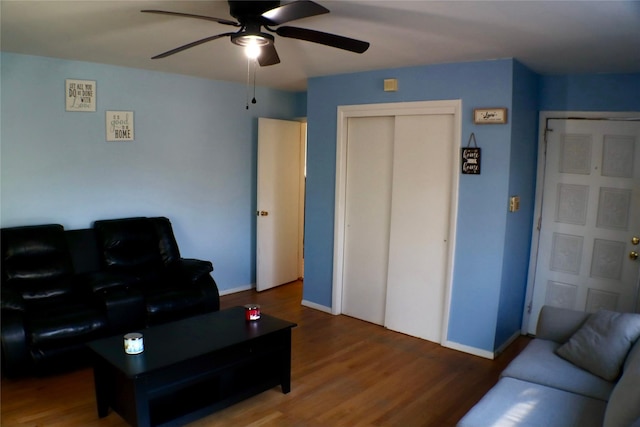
(550, 37)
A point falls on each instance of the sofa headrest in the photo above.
(128, 243)
(35, 253)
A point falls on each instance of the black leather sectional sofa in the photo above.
(63, 288)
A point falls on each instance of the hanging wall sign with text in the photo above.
(119, 125)
(471, 157)
(80, 95)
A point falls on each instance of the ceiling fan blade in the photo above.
(327, 39)
(292, 11)
(268, 56)
(190, 45)
(188, 15)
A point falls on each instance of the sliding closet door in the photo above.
(367, 216)
(419, 228)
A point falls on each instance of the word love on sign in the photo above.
(80, 95)
(119, 125)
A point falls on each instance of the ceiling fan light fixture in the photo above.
(255, 15)
(252, 39)
(252, 51)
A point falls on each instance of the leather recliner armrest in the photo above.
(101, 281)
(209, 290)
(15, 355)
(194, 269)
(118, 297)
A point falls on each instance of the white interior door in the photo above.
(590, 213)
(279, 200)
(420, 213)
(368, 207)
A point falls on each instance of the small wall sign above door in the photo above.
(80, 95)
(471, 157)
(484, 116)
(119, 125)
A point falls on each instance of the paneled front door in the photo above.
(590, 216)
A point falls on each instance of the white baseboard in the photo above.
(317, 306)
(238, 289)
(468, 349)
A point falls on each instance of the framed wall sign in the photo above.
(471, 157)
(482, 116)
(80, 95)
(119, 125)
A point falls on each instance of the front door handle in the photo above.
(263, 213)
(633, 255)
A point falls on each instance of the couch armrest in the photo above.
(102, 281)
(125, 309)
(194, 269)
(15, 356)
(210, 292)
(558, 324)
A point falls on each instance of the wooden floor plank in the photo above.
(345, 372)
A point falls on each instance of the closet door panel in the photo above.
(419, 226)
(368, 195)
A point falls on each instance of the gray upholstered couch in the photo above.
(542, 389)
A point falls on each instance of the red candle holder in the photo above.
(252, 311)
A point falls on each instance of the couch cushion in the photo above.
(624, 404)
(539, 364)
(601, 345)
(65, 324)
(128, 244)
(513, 402)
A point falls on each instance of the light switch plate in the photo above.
(514, 203)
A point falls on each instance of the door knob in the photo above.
(264, 213)
(633, 255)
(635, 240)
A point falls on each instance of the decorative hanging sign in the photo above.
(80, 95)
(487, 116)
(119, 125)
(471, 157)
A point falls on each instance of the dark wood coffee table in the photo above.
(192, 367)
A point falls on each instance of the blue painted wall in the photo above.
(482, 218)
(522, 180)
(590, 92)
(193, 158)
(492, 248)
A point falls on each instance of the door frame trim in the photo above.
(345, 112)
(544, 116)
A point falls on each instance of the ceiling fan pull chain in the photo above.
(255, 71)
(248, 82)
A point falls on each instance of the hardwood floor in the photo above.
(345, 372)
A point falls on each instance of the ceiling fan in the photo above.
(254, 16)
